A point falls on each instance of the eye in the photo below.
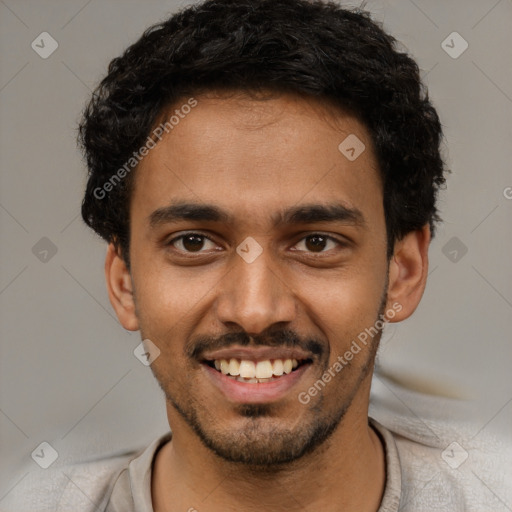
(318, 243)
(191, 242)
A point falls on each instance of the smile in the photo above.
(254, 372)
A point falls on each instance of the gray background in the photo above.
(68, 373)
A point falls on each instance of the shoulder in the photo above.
(80, 487)
(463, 475)
(447, 462)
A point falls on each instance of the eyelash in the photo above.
(184, 235)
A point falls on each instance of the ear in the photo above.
(408, 269)
(120, 289)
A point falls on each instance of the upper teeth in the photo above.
(260, 370)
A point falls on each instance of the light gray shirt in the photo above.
(431, 465)
(131, 490)
(123, 484)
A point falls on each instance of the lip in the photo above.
(257, 393)
(257, 353)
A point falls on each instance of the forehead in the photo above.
(254, 157)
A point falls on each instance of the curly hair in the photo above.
(312, 47)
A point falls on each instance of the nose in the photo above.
(255, 296)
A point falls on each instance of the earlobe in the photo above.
(120, 289)
(408, 269)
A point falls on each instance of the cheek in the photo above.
(344, 305)
(165, 295)
(162, 315)
(161, 309)
(170, 304)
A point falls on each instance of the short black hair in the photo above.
(312, 47)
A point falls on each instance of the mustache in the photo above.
(284, 338)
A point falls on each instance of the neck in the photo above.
(346, 473)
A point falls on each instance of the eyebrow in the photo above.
(303, 214)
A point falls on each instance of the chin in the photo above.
(257, 437)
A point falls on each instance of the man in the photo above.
(265, 173)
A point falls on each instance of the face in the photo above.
(258, 256)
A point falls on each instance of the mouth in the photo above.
(256, 372)
(261, 375)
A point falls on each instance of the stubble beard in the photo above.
(265, 440)
(264, 443)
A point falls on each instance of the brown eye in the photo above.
(318, 243)
(193, 242)
(190, 242)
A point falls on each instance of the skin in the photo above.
(256, 158)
